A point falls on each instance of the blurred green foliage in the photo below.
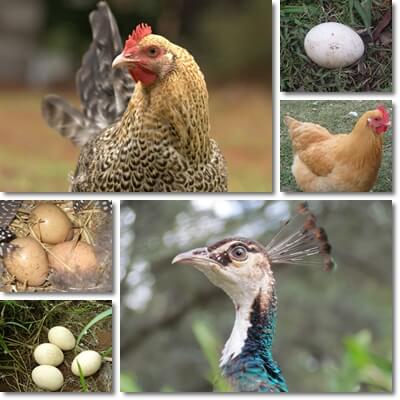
(360, 369)
(210, 346)
(128, 383)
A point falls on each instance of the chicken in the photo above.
(324, 162)
(158, 141)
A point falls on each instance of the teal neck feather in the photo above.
(254, 369)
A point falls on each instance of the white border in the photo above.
(276, 195)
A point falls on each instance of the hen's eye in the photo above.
(239, 253)
(152, 51)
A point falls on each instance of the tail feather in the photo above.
(104, 93)
(67, 120)
(290, 122)
(299, 240)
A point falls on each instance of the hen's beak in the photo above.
(122, 61)
(195, 257)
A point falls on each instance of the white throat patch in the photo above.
(235, 343)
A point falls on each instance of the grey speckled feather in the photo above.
(104, 92)
(8, 209)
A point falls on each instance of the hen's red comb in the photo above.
(384, 112)
(141, 31)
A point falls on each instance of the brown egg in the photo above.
(28, 262)
(50, 224)
(75, 258)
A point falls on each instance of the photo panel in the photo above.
(59, 246)
(336, 46)
(312, 301)
(336, 146)
(56, 346)
(155, 98)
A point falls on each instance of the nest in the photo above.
(91, 225)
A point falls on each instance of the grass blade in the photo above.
(82, 380)
(94, 321)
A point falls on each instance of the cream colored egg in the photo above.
(62, 337)
(28, 262)
(51, 224)
(89, 361)
(47, 378)
(333, 45)
(48, 354)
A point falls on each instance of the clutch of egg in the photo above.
(29, 262)
(49, 355)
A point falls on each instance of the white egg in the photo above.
(47, 378)
(333, 45)
(89, 361)
(62, 337)
(48, 354)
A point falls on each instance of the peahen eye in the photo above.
(239, 253)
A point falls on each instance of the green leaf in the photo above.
(17, 324)
(106, 352)
(82, 380)
(94, 321)
(351, 6)
(364, 12)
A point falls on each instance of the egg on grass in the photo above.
(333, 45)
(48, 354)
(48, 378)
(89, 362)
(62, 337)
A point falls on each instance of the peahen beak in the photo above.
(195, 257)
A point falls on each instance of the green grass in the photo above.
(31, 173)
(298, 73)
(333, 115)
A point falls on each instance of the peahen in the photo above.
(242, 268)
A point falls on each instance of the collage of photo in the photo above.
(197, 197)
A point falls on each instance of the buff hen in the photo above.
(325, 162)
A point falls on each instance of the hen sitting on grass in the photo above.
(154, 140)
(324, 162)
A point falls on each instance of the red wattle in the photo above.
(142, 75)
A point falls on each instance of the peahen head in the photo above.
(238, 266)
(242, 268)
